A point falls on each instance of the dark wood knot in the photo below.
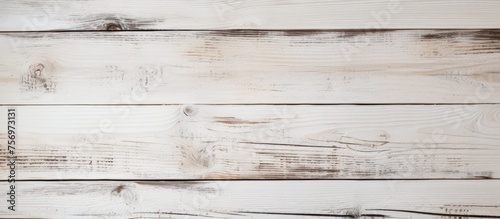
(113, 27)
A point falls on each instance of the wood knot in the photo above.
(189, 110)
(38, 78)
(38, 70)
(113, 27)
(127, 195)
(354, 212)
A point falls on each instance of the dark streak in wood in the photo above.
(300, 33)
(480, 35)
(330, 172)
(233, 121)
(291, 145)
(440, 36)
(315, 215)
(486, 206)
(238, 33)
(356, 33)
(175, 213)
(93, 215)
(118, 189)
(487, 35)
(483, 177)
(437, 214)
(295, 33)
(181, 185)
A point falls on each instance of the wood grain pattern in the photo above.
(259, 199)
(35, 15)
(231, 67)
(251, 109)
(256, 142)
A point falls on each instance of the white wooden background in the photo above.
(252, 109)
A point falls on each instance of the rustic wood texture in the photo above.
(36, 15)
(251, 109)
(259, 199)
(256, 142)
(264, 67)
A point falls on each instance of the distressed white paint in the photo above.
(141, 142)
(231, 67)
(238, 199)
(32, 15)
(256, 142)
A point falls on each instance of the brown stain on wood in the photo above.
(482, 175)
(235, 121)
(478, 35)
(441, 35)
(449, 43)
(118, 189)
(362, 32)
(493, 35)
(437, 44)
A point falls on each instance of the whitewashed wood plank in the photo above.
(259, 199)
(35, 15)
(229, 67)
(255, 142)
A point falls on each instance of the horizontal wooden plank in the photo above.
(35, 15)
(264, 67)
(255, 142)
(259, 199)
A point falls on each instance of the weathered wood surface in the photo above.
(256, 142)
(35, 15)
(231, 67)
(237, 108)
(259, 199)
